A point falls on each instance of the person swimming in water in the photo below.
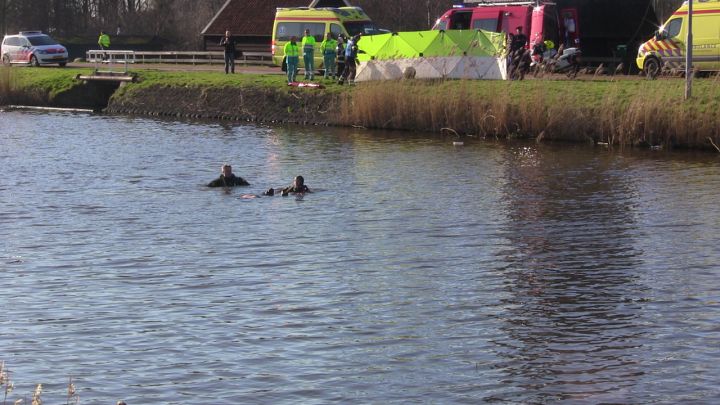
(228, 178)
(298, 186)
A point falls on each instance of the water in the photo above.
(418, 272)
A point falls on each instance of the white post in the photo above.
(688, 53)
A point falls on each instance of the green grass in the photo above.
(625, 111)
(149, 78)
(50, 80)
(53, 80)
(572, 93)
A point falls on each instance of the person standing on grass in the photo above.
(569, 24)
(327, 47)
(308, 46)
(340, 56)
(517, 52)
(104, 42)
(351, 52)
(228, 44)
(519, 41)
(292, 59)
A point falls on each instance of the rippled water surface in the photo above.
(417, 272)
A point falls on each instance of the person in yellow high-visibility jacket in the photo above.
(327, 47)
(104, 42)
(308, 46)
(292, 58)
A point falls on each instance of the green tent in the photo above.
(419, 39)
(395, 47)
(407, 45)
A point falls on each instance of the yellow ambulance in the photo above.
(290, 22)
(666, 51)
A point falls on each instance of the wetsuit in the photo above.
(231, 181)
(293, 189)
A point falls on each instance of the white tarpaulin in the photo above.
(454, 54)
(440, 67)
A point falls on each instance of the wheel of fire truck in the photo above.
(651, 68)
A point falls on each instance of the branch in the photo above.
(713, 144)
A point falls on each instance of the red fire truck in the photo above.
(605, 29)
(540, 20)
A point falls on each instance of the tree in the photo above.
(405, 15)
(665, 8)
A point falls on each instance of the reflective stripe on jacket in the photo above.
(308, 44)
(292, 49)
(328, 46)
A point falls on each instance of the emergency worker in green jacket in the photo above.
(327, 47)
(308, 45)
(104, 42)
(292, 58)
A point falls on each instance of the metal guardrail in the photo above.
(175, 57)
(110, 59)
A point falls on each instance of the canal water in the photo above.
(416, 272)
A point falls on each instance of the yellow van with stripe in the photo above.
(667, 50)
(290, 22)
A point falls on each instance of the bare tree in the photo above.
(665, 8)
(405, 15)
(3, 16)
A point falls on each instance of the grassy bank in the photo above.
(617, 112)
(41, 85)
(624, 111)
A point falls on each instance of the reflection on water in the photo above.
(417, 272)
(571, 272)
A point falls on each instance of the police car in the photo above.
(32, 48)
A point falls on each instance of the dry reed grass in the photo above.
(621, 112)
(7, 385)
(5, 85)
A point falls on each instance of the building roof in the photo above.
(255, 17)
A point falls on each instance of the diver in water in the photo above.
(298, 186)
(227, 178)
